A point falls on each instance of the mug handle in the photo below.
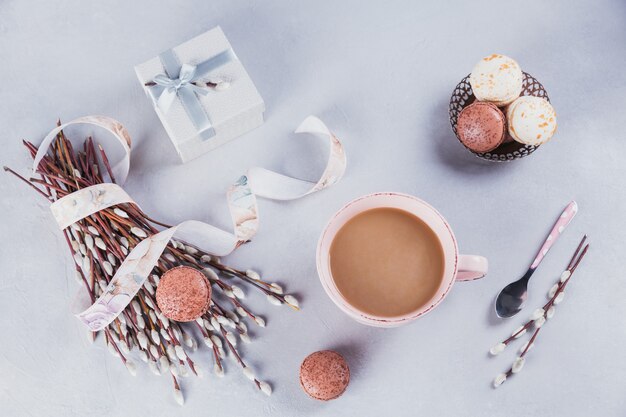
(471, 267)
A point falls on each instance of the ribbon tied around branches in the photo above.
(241, 196)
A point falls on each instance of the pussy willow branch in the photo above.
(571, 267)
(541, 315)
(100, 242)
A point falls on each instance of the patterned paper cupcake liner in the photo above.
(463, 96)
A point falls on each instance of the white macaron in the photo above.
(497, 79)
(531, 120)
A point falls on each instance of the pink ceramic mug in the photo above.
(456, 267)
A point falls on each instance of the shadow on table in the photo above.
(492, 318)
(354, 352)
(448, 150)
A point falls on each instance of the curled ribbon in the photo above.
(242, 203)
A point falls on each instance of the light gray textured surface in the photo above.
(380, 75)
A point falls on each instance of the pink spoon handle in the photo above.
(560, 225)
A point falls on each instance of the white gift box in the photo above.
(198, 117)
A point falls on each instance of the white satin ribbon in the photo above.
(134, 270)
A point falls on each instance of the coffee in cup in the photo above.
(386, 259)
(386, 262)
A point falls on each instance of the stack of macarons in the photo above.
(499, 109)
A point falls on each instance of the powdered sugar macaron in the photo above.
(531, 120)
(497, 79)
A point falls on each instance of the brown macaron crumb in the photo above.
(324, 375)
(481, 127)
(183, 294)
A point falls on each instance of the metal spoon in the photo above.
(511, 299)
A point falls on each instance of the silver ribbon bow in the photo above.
(168, 86)
(182, 86)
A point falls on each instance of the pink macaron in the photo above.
(481, 127)
(324, 375)
(183, 294)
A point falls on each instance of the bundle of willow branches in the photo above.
(100, 242)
